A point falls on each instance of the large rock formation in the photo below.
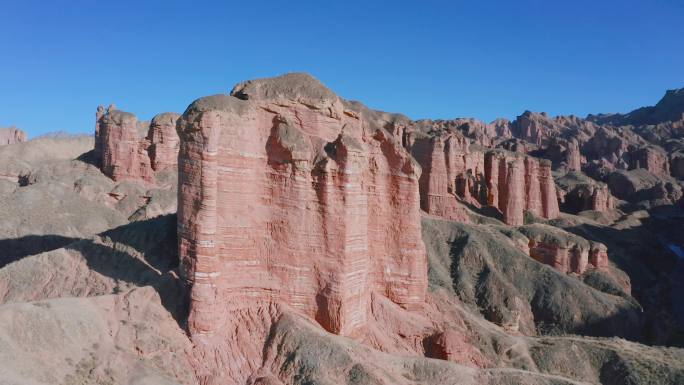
(650, 158)
(164, 141)
(130, 149)
(579, 193)
(456, 172)
(288, 194)
(565, 252)
(11, 135)
(444, 160)
(517, 184)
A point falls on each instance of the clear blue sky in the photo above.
(59, 59)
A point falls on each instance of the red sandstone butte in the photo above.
(443, 159)
(11, 135)
(516, 184)
(130, 149)
(290, 195)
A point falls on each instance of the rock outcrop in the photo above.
(565, 252)
(444, 160)
(126, 148)
(456, 172)
(650, 158)
(582, 193)
(516, 184)
(643, 187)
(288, 194)
(164, 142)
(11, 135)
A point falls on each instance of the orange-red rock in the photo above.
(549, 196)
(516, 184)
(164, 141)
(451, 345)
(443, 161)
(129, 149)
(289, 194)
(514, 194)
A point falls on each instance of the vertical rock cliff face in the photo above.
(454, 174)
(164, 141)
(573, 157)
(514, 193)
(443, 159)
(129, 149)
(517, 183)
(11, 135)
(288, 194)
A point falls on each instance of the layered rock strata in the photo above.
(454, 174)
(516, 184)
(444, 160)
(288, 194)
(126, 148)
(565, 252)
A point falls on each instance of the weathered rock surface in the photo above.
(300, 215)
(444, 160)
(565, 252)
(486, 269)
(164, 142)
(11, 135)
(126, 148)
(45, 183)
(455, 174)
(287, 194)
(644, 188)
(652, 159)
(582, 193)
(520, 183)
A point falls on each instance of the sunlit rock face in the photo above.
(444, 159)
(164, 142)
(11, 135)
(126, 148)
(288, 194)
(520, 183)
(454, 175)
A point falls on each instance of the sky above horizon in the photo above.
(425, 59)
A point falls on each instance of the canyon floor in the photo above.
(91, 291)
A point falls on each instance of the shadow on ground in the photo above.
(142, 253)
(17, 248)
